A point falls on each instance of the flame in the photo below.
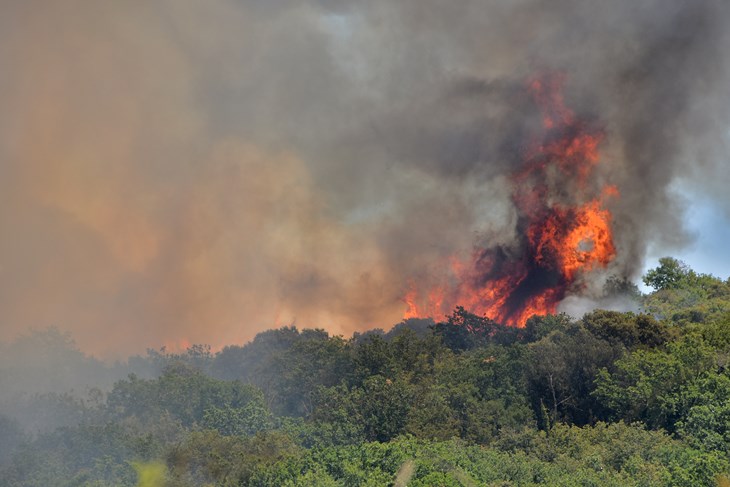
(410, 299)
(434, 303)
(564, 225)
(178, 345)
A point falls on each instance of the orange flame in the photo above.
(565, 228)
(433, 305)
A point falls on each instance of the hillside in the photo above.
(612, 398)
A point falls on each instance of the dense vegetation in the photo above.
(613, 398)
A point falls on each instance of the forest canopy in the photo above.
(610, 398)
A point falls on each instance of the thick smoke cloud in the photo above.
(183, 171)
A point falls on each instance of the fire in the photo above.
(564, 226)
(410, 300)
(434, 304)
(177, 345)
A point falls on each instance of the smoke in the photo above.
(200, 171)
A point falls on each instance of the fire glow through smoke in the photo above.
(563, 225)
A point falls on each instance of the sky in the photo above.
(179, 172)
(706, 252)
(710, 225)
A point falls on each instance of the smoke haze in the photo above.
(181, 172)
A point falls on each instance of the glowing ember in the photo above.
(565, 230)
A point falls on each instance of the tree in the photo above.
(706, 423)
(185, 393)
(561, 372)
(652, 385)
(464, 330)
(669, 274)
(292, 377)
(248, 362)
(239, 421)
(206, 458)
(684, 296)
(538, 327)
(628, 329)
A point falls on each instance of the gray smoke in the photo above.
(183, 171)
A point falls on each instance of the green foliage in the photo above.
(81, 455)
(464, 331)
(463, 402)
(240, 421)
(377, 410)
(651, 385)
(186, 394)
(208, 457)
(706, 423)
(685, 297)
(561, 370)
(717, 335)
(671, 273)
(538, 327)
(484, 390)
(247, 362)
(627, 329)
(618, 455)
(288, 366)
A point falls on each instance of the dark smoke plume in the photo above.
(181, 171)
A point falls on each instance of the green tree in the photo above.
(538, 327)
(627, 329)
(669, 274)
(464, 330)
(293, 377)
(241, 421)
(561, 371)
(206, 457)
(252, 360)
(651, 385)
(685, 297)
(184, 393)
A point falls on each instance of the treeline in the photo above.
(613, 398)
